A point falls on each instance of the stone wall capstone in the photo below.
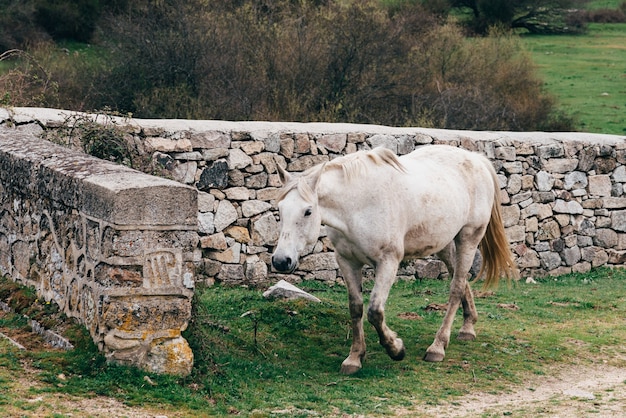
(563, 195)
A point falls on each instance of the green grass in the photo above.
(587, 73)
(256, 357)
(603, 4)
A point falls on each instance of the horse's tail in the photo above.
(494, 247)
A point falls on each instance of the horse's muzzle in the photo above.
(284, 264)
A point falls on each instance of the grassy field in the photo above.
(260, 358)
(587, 73)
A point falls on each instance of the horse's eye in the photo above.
(307, 212)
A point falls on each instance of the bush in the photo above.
(68, 19)
(18, 28)
(603, 15)
(302, 61)
(49, 76)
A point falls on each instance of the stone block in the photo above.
(550, 260)
(616, 257)
(333, 142)
(265, 230)
(544, 181)
(381, 140)
(571, 256)
(225, 215)
(287, 146)
(215, 241)
(618, 220)
(572, 207)
(599, 185)
(560, 165)
(238, 159)
(575, 180)
(515, 233)
(251, 208)
(321, 261)
(510, 215)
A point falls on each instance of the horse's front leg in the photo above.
(353, 279)
(385, 277)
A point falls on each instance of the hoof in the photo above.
(466, 336)
(350, 368)
(434, 357)
(395, 353)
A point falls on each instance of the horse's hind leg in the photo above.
(353, 279)
(385, 277)
(470, 316)
(466, 243)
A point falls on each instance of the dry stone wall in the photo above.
(563, 193)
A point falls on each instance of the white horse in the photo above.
(380, 209)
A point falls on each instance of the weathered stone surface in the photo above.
(618, 220)
(216, 175)
(550, 260)
(286, 290)
(572, 207)
(614, 203)
(112, 246)
(254, 207)
(226, 215)
(255, 270)
(206, 222)
(544, 181)
(265, 230)
(238, 233)
(619, 174)
(510, 215)
(571, 256)
(210, 140)
(237, 193)
(307, 161)
(560, 165)
(599, 185)
(238, 159)
(575, 180)
(231, 255)
(215, 241)
(322, 261)
(334, 142)
(428, 269)
(231, 273)
(515, 233)
(605, 238)
(380, 140)
(168, 144)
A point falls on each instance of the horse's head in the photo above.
(300, 218)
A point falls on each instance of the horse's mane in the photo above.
(352, 165)
(355, 165)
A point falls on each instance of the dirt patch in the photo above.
(574, 391)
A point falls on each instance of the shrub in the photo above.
(18, 28)
(49, 76)
(603, 15)
(302, 61)
(68, 19)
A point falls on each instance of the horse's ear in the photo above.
(314, 178)
(283, 175)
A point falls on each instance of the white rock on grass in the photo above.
(286, 290)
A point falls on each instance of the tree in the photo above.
(536, 16)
